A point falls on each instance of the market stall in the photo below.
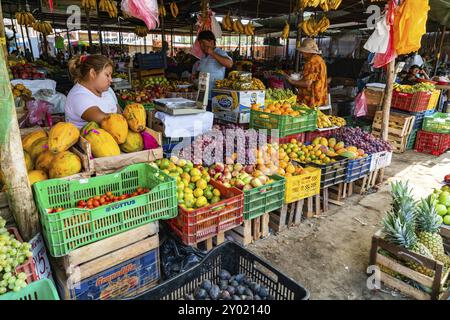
(160, 201)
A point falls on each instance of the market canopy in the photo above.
(440, 11)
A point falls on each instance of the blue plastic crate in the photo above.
(358, 168)
(420, 116)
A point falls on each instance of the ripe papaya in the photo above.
(64, 164)
(28, 162)
(102, 144)
(28, 140)
(38, 147)
(117, 126)
(332, 142)
(62, 136)
(36, 176)
(136, 117)
(88, 127)
(44, 160)
(134, 143)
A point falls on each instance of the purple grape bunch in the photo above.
(362, 140)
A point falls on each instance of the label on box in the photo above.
(234, 117)
(40, 258)
(231, 100)
(126, 280)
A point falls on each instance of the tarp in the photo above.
(440, 12)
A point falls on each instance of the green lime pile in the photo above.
(442, 203)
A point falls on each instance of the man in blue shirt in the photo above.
(215, 60)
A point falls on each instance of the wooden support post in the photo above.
(29, 42)
(12, 160)
(256, 226)
(13, 26)
(310, 210)
(438, 55)
(318, 209)
(325, 200)
(387, 100)
(298, 211)
(265, 224)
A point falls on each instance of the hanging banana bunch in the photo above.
(240, 27)
(89, 4)
(174, 9)
(141, 31)
(108, 6)
(286, 30)
(334, 4)
(249, 29)
(313, 3)
(324, 5)
(313, 28)
(25, 18)
(162, 11)
(44, 27)
(227, 23)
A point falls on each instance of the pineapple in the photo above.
(401, 231)
(428, 225)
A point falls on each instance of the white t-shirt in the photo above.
(80, 99)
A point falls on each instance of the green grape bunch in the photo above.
(12, 254)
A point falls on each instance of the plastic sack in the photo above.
(38, 114)
(196, 50)
(146, 10)
(215, 26)
(379, 40)
(382, 59)
(125, 8)
(410, 25)
(360, 105)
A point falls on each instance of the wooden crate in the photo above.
(365, 184)
(251, 230)
(212, 242)
(436, 283)
(400, 125)
(104, 254)
(374, 96)
(398, 143)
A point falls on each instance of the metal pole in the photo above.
(299, 38)
(29, 43)
(438, 55)
(69, 44)
(13, 27)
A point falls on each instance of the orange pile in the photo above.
(284, 109)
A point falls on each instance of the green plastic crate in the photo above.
(147, 106)
(43, 289)
(286, 125)
(264, 199)
(438, 123)
(411, 140)
(72, 228)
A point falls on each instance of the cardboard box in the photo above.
(122, 277)
(236, 101)
(233, 117)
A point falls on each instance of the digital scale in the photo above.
(181, 106)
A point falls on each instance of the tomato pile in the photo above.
(102, 200)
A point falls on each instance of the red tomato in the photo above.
(90, 207)
(96, 204)
(135, 194)
(97, 198)
(139, 190)
(109, 194)
(81, 203)
(102, 200)
(146, 190)
(122, 197)
(59, 209)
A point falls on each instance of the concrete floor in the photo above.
(329, 255)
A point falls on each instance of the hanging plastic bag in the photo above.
(382, 59)
(360, 105)
(410, 25)
(379, 40)
(146, 10)
(215, 26)
(38, 114)
(125, 8)
(196, 50)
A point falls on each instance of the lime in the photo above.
(192, 186)
(208, 194)
(198, 192)
(215, 199)
(447, 220)
(201, 202)
(216, 192)
(180, 195)
(441, 209)
(165, 164)
(180, 186)
(201, 184)
(189, 203)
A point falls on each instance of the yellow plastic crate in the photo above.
(302, 186)
(434, 99)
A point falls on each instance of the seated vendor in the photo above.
(415, 72)
(91, 99)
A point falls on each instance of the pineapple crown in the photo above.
(403, 204)
(427, 219)
(399, 231)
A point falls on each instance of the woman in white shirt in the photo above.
(91, 99)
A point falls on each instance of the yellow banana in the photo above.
(235, 26)
(285, 33)
(324, 5)
(173, 9)
(240, 27)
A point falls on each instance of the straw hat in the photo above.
(309, 46)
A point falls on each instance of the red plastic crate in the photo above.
(300, 137)
(310, 136)
(197, 225)
(432, 143)
(413, 102)
(27, 267)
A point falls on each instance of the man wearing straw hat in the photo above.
(312, 88)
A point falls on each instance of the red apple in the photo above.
(219, 167)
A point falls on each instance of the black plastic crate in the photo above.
(358, 169)
(236, 259)
(149, 61)
(333, 173)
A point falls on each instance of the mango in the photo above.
(332, 142)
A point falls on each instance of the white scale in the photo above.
(181, 106)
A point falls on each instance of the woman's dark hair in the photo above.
(206, 35)
(80, 66)
(414, 66)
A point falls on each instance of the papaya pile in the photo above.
(47, 155)
(120, 133)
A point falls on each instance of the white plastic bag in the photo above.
(379, 40)
(216, 28)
